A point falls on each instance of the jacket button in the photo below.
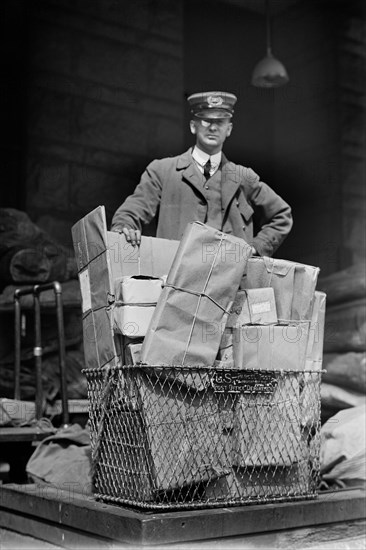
(237, 203)
(244, 227)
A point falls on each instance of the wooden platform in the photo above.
(69, 520)
(23, 433)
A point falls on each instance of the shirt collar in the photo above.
(201, 157)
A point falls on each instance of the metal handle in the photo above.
(36, 291)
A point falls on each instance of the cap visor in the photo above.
(213, 113)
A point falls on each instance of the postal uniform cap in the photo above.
(212, 104)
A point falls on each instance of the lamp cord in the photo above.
(269, 45)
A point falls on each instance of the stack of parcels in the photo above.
(154, 438)
(277, 320)
(138, 274)
(183, 416)
(251, 307)
(104, 257)
(276, 325)
(183, 429)
(218, 307)
(247, 444)
(135, 300)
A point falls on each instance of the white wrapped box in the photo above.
(135, 301)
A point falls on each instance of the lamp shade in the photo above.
(269, 73)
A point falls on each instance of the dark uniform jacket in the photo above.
(172, 188)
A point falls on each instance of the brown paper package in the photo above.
(193, 308)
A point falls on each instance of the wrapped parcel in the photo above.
(191, 313)
(293, 284)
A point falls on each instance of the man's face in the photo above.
(211, 133)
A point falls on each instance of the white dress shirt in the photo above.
(200, 157)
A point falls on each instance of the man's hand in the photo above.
(133, 236)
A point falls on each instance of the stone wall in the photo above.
(105, 98)
(221, 47)
(319, 133)
(13, 93)
(306, 135)
(352, 106)
(305, 139)
(94, 89)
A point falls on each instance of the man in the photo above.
(202, 185)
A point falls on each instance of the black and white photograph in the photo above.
(183, 275)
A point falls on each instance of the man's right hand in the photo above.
(133, 236)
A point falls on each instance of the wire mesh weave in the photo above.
(178, 437)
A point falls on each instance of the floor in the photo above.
(14, 541)
(10, 540)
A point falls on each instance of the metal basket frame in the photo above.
(201, 437)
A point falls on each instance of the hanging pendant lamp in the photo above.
(269, 72)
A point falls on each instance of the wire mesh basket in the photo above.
(178, 437)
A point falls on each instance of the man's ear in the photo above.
(192, 126)
(229, 129)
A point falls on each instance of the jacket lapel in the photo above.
(230, 182)
(190, 173)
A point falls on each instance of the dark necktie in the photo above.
(206, 169)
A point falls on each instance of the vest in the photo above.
(212, 193)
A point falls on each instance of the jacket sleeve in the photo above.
(272, 213)
(140, 207)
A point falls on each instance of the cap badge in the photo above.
(214, 101)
